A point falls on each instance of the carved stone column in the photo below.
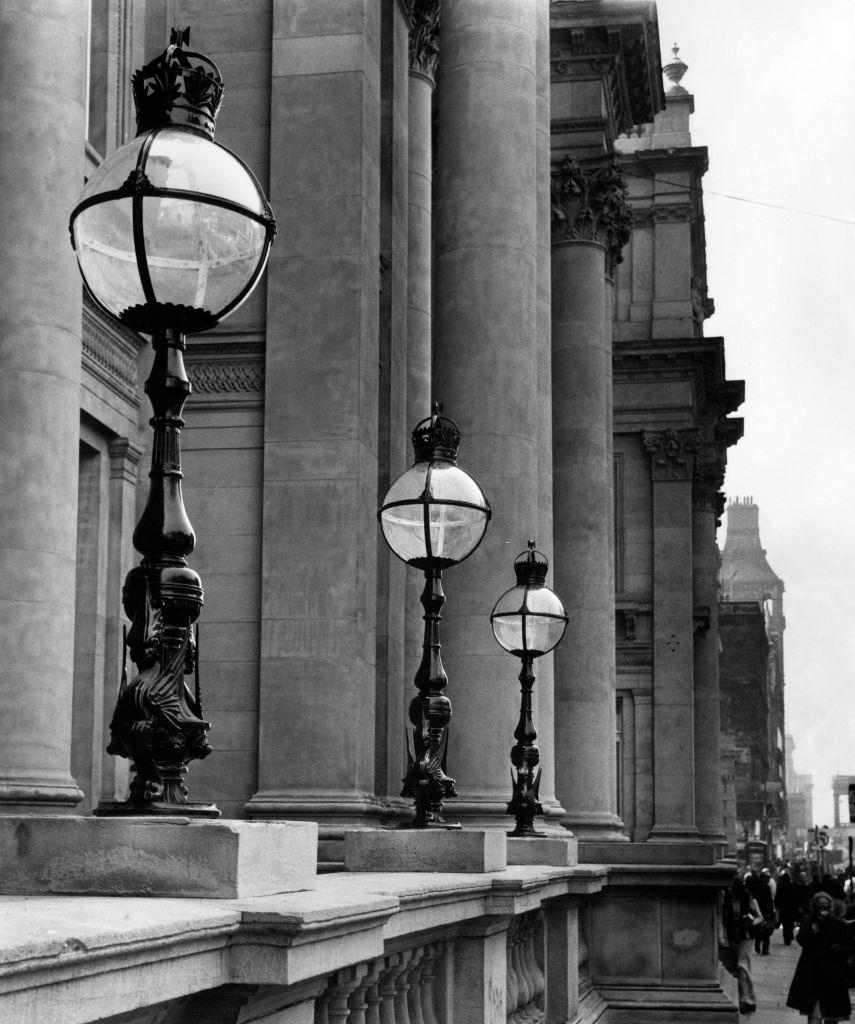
(42, 128)
(590, 224)
(707, 507)
(424, 43)
(672, 464)
(485, 358)
(544, 712)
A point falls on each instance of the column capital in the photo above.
(707, 495)
(424, 35)
(672, 453)
(591, 203)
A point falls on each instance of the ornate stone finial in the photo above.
(424, 36)
(178, 87)
(672, 453)
(591, 203)
(675, 70)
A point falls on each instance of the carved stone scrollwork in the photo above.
(424, 36)
(591, 203)
(672, 453)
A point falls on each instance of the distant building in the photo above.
(799, 803)
(751, 624)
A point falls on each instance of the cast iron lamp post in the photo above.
(432, 517)
(171, 233)
(528, 620)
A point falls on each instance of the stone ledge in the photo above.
(52, 855)
(451, 850)
(551, 851)
(647, 853)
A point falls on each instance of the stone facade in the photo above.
(476, 205)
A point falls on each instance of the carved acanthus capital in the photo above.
(706, 489)
(672, 453)
(424, 35)
(591, 203)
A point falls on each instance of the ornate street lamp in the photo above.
(528, 620)
(432, 517)
(172, 233)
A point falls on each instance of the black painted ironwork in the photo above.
(158, 721)
(530, 569)
(426, 781)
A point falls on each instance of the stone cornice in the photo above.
(620, 43)
(590, 203)
(424, 18)
(671, 357)
(672, 453)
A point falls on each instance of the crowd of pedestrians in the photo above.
(818, 914)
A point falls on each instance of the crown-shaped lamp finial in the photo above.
(436, 437)
(180, 87)
(531, 567)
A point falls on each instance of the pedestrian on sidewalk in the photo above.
(743, 921)
(819, 988)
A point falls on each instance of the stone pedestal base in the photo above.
(155, 857)
(556, 852)
(450, 850)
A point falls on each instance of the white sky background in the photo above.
(774, 88)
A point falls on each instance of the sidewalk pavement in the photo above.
(772, 975)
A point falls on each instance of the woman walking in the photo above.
(819, 989)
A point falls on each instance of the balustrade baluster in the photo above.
(433, 953)
(358, 1001)
(395, 964)
(538, 978)
(523, 980)
(414, 979)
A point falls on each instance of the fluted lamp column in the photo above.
(172, 233)
(528, 621)
(433, 516)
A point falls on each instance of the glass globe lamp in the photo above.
(528, 621)
(433, 516)
(172, 230)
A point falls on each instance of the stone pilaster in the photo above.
(589, 227)
(672, 463)
(706, 509)
(41, 174)
(485, 361)
(318, 591)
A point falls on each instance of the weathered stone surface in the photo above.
(151, 857)
(425, 850)
(555, 851)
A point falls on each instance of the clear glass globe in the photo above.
(183, 256)
(528, 620)
(434, 514)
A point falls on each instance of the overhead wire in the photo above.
(739, 199)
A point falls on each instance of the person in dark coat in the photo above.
(819, 988)
(758, 884)
(791, 899)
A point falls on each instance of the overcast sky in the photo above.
(774, 88)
